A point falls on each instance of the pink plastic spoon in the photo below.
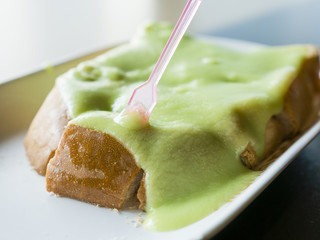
(144, 97)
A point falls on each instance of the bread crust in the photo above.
(45, 131)
(93, 167)
(141, 195)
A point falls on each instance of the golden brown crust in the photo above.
(142, 193)
(45, 131)
(94, 167)
(301, 110)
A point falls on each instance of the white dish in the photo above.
(27, 211)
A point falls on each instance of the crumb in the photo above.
(115, 210)
(136, 221)
(139, 218)
(48, 67)
(52, 194)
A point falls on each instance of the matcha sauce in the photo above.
(212, 101)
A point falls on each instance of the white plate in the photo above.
(27, 211)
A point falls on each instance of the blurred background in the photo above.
(38, 32)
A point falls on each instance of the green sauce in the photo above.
(132, 120)
(212, 101)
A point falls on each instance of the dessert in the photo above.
(222, 116)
